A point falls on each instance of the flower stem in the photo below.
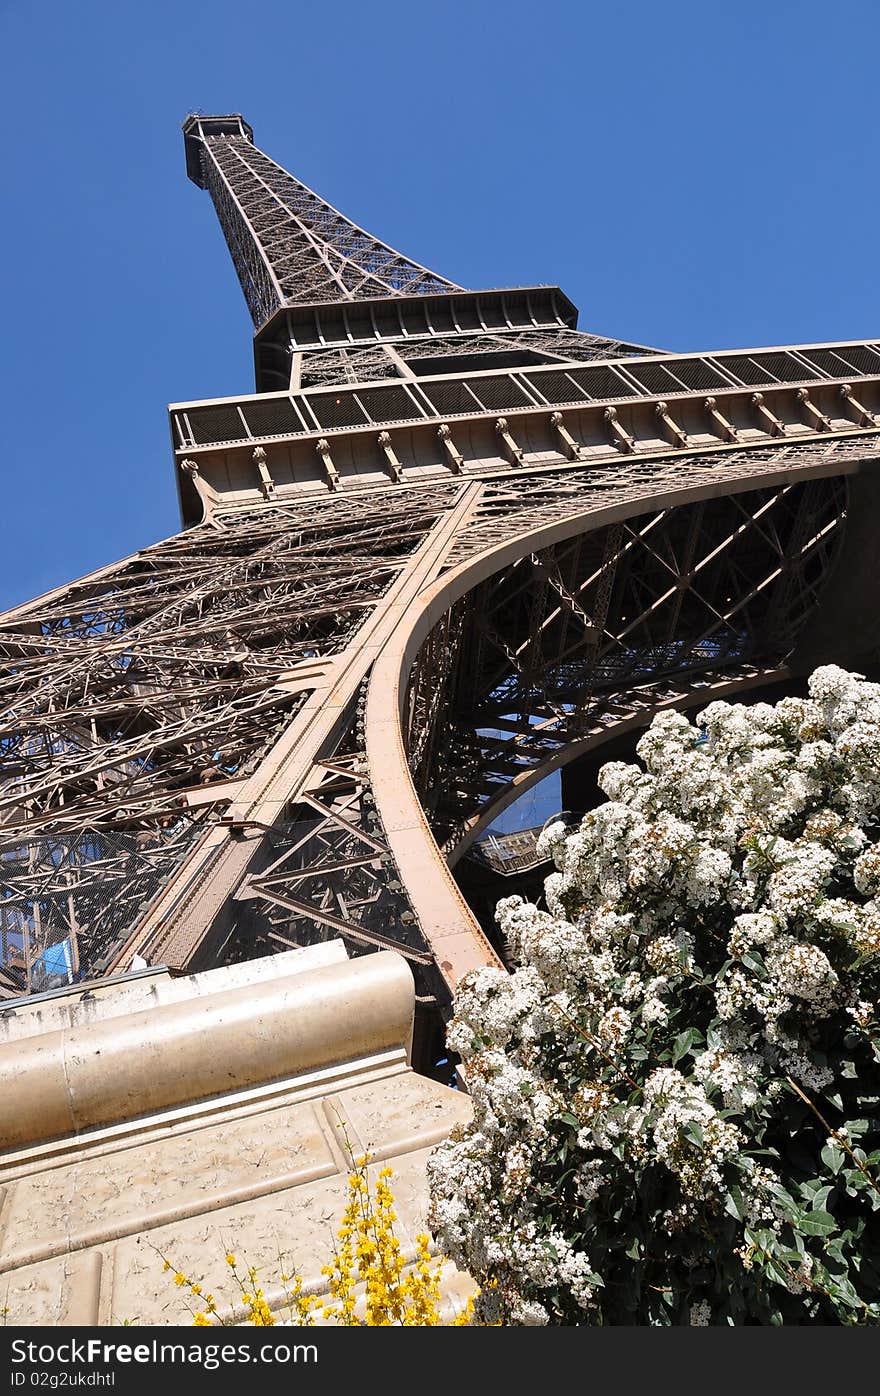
(833, 1133)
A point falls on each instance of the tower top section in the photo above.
(197, 128)
(290, 247)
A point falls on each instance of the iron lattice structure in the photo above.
(451, 543)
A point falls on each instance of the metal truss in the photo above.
(144, 702)
(136, 701)
(68, 900)
(460, 544)
(291, 248)
(330, 872)
(514, 504)
(362, 365)
(578, 637)
(478, 421)
(287, 243)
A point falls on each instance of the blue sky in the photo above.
(694, 175)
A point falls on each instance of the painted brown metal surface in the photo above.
(456, 543)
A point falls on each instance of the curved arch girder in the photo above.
(546, 663)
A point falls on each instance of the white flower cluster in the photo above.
(685, 1131)
(734, 1075)
(738, 868)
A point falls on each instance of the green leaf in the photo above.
(856, 1128)
(817, 1223)
(693, 1132)
(832, 1157)
(684, 1042)
(753, 961)
(733, 1203)
(773, 1272)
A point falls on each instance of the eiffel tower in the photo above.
(451, 544)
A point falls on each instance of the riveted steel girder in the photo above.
(462, 544)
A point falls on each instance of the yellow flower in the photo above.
(465, 1318)
(368, 1254)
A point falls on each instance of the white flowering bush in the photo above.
(675, 1094)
